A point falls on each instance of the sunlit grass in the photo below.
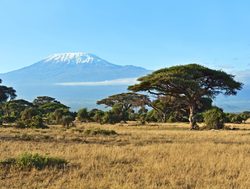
(151, 156)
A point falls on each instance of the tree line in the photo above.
(181, 93)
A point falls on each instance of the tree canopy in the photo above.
(6, 93)
(122, 103)
(188, 83)
(41, 100)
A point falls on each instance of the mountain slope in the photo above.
(48, 76)
(71, 67)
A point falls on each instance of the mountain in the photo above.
(71, 67)
(76, 79)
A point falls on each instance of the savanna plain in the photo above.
(156, 155)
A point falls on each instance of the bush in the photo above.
(67, 121)
(83, 115)
(236, 118)
(214, 118)
(109, 117)
(34, 122)
(99, 132)
(98, 116)
(21, 124)
(8, 119)
(28, 161)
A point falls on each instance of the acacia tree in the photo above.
(6, 93)
(125, 101)
(14, 108)
(41, 100)
(189, 83)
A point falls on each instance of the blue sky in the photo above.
(147, 33)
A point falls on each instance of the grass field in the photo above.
(154, 156)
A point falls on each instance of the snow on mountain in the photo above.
(73, 58)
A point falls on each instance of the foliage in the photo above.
(142, 115)
(83, 115)
(34, 122)
(236, 117)
(214, 118)
(110, 117)
(98, 131)
(13, 108)
(28, 161)
(122, 103)
(189, 84)
(28, 113)
(67, 121)
(97, 117)
(6, 93)
(152, 116)
(42, 100)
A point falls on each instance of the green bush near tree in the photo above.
(214, 119)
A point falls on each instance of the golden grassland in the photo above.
(152, 156)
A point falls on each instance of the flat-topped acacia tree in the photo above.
(189, 83)
(126, 101)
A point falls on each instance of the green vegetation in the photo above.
(189, 84)
(28, 161)
(175, 94)
(98, 131)
(214, 118)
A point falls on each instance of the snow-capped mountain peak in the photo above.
(72, 58)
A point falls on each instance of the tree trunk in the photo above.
(164, 118)
(192, 121)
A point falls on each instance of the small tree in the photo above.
(214, 118)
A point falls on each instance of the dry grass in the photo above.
(155, 156)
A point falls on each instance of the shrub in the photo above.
(109, 117)
(99, 132)
(34, 122)
(236, 118)
(214, 118)
(8, 119)
(28, 161)
(98, 116)
(37, 122)
(83, 115)
(67, 121)
(21, 124)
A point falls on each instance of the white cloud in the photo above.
(124, 81)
